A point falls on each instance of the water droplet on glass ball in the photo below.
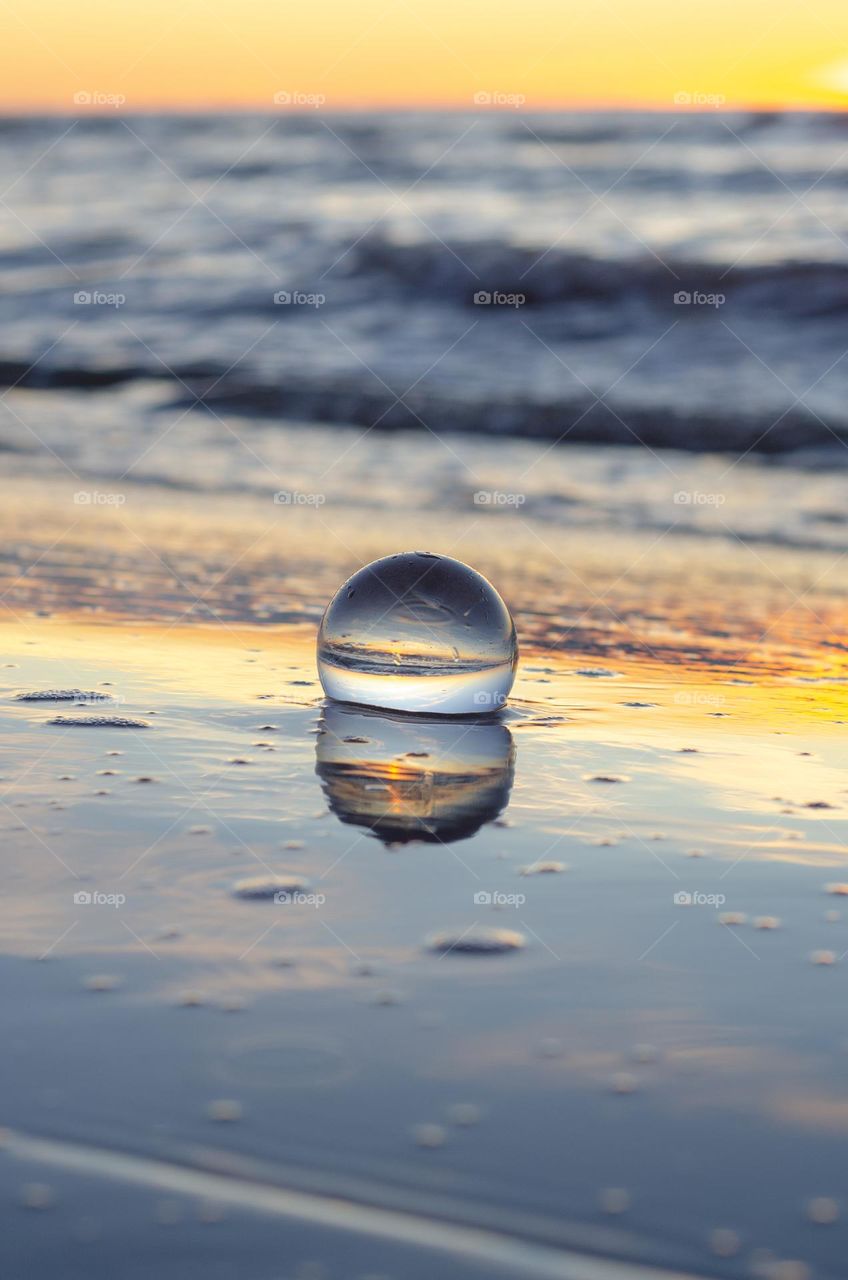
(418, 632)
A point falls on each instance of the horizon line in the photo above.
(100, 111)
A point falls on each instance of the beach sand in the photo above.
(197, 1079)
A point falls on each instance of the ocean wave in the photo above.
(661, 421)
(540, 276)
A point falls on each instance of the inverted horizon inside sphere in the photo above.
(418, 632)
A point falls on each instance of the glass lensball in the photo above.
(418, 632)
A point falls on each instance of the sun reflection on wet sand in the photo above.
(646, 757)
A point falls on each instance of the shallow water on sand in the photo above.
(613, 819)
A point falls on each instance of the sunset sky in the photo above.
(195, 54)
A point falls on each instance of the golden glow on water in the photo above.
(231, 661)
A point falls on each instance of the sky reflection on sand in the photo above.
(332, 1025)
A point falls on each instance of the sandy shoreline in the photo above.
(694, 747)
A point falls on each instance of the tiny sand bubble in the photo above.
(37, 1195)
(98, 722)
(614, 1200)
(788, 1269)
(477, 942)
(102, 982)
(267, 887)
(464, 1114)
(822, 1210)
(225, 1110)
(429, 1135)
(387, 997)
(724, 1242)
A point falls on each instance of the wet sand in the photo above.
(195, 1079)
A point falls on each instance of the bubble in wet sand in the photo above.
(62, 695)
(418, 632)
(725, 1242)
(623, 1082)
(614, 1200)
(102, 982)
(225, 1110)
(263, 887)
(822, 1210)
(37, 1195)
(98, 722)
(476, 942)
(464, 1114)
(429, 1135)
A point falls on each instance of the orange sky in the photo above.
(193, 54)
